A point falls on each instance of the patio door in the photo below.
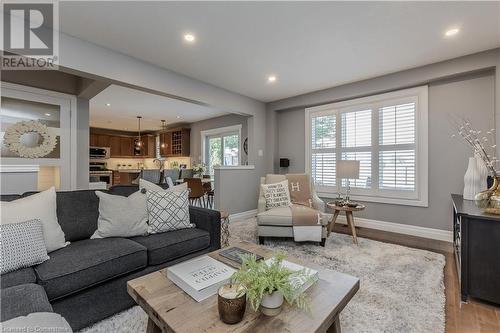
(221, 148)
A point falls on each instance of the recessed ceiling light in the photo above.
(271, 78)
(451, 32)
(178, 117)
(108, 104)
(189, 38)
(47, 114)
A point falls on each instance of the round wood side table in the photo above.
(348, 214)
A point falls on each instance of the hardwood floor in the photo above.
(472, 317)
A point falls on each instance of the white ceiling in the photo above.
(127, 104)
(308, 46)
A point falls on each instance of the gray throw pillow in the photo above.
(168, 210)
(22, 245)
(121, 216)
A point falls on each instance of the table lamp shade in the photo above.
(348, 169)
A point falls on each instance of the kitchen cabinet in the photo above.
(115, 145)
(103, 140)
(93, 140)
(126, 146)
(177, 143)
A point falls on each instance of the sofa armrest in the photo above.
(318, 203)
(209, 220)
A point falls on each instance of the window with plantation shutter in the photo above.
(387, 133)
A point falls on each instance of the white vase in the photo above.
(483, 175)
(471, 179)
(271, 304)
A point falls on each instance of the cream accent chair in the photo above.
(277, 222)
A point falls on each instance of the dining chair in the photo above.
(186, 173)
(209, 191)
(196, 191)
(151, 175)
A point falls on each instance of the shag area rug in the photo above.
(401, 289)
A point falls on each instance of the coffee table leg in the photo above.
(335, 328)
(331, 224)
(350, 221)
(152, 327)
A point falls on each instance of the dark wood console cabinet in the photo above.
(476, 241)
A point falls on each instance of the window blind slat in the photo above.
(323, 167)
(365, 169)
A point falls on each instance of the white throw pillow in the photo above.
(121, 216)
(41, 206)
(276, 195)
(168, 210)
(22, 245)
(144, 184)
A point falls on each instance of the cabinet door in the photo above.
(151, 151)
(103, 140)
(126, 146)
(166, 141)
(186, 139)
(93, 140)
(115, 145)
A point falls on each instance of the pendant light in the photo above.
(139, 141)
(163, 128)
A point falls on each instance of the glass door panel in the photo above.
(231, 147)
(214, 151)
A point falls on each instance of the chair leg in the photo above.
(323, 241)
(261, 240)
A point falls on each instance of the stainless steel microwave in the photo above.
(99, 152)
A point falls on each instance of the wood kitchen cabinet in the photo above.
(103, 140)
(93, 140)
(126, 146)
(177, 143)
(115, 146)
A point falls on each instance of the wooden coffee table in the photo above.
(172, 310)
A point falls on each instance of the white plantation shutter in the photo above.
(357, 129)
(387, 133)
(323, 158)
(397, 134)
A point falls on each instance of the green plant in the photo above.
(259, 278)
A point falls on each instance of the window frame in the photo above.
(220, 132)
(418, 95)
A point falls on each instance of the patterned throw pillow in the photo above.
(167, 211)
(21, 245)
(276, 195)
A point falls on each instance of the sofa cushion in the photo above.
(20, 276)
(23, 299)
(77, 213)
(282, 217)
(171, 245)
(89, 262)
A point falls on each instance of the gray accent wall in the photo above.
(469, 96)
(217, 122)
(240, 190)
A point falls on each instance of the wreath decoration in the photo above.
(12, 139)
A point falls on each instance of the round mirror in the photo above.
(31, 139)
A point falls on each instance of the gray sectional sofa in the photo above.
(86, 281)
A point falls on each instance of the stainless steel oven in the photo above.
(99, 152)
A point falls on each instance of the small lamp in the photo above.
(348, 170)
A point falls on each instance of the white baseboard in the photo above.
(243, 215)
(405, 229)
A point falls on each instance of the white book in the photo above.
(201, 277)
(300, 283)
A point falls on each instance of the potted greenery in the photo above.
(268, 284)
(199, 169)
